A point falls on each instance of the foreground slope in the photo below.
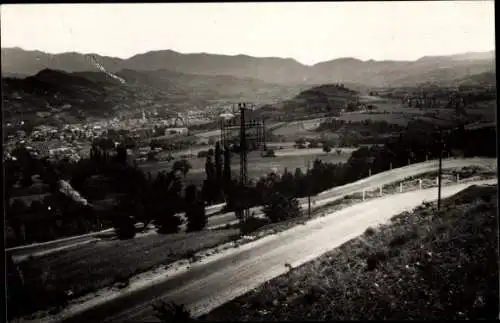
(217, 279)
(426, 264)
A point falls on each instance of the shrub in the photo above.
(280, 208)
(374, 259)
(314, 144)
(124, 227)
(370, 231)
(195, 209)
(270, 153)
(327, 148)
(168, 224)
(203, 154)
(172, 312)
(401, 239)
(253, 224)
(197, 219)
(182, 165)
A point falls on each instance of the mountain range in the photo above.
(19, 62)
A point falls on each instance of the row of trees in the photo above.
(106, 173)
(158, 200)
(412, 147)
(218, 183)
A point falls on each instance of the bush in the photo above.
(327, 148)
(401, 239)
(270, 153)
(182, 165)
(280, 208)
(253, 224)
(374, 259)
(369, 231)
(203, 154)
(197, 219)
(124, 227)
(172, 312)
(168, 224)
(314, 144)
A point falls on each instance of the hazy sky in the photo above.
(307, 32)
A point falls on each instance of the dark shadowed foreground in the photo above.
(426, 264)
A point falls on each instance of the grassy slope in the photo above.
(429, 265)
(104, 263)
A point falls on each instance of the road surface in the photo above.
(322, 198)
(220, 278)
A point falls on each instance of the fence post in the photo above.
(458, 178)
(390, 165)
(363, 195)
(401, 187)
(380, 189)
(420, 183)
(437, 180)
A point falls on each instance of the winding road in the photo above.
(225, 276)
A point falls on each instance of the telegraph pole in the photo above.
(440, 167)
(243, 163)
(308, 188)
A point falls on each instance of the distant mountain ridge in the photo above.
(16, 61)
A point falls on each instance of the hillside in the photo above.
(16, 61)
(318, 100)
(93, 93)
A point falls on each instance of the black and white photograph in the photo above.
(249, 161)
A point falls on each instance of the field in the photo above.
(257, 165)
(389, 110)
(107, 262)
(420, 266)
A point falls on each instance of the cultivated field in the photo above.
(257, 165)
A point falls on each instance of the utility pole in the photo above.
(308, 188)
(243, 164)
(440, 167)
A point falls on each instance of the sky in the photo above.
(306, 31)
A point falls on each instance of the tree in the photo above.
(121, 155)
(208, 190)
(195, 210)
(169, 203)
(227, 170)
(326, 147)
(12, 216)
(300, 143)
(123, 218)
(270, 153)
(218, 169)
(182, 165)
(279, 208)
